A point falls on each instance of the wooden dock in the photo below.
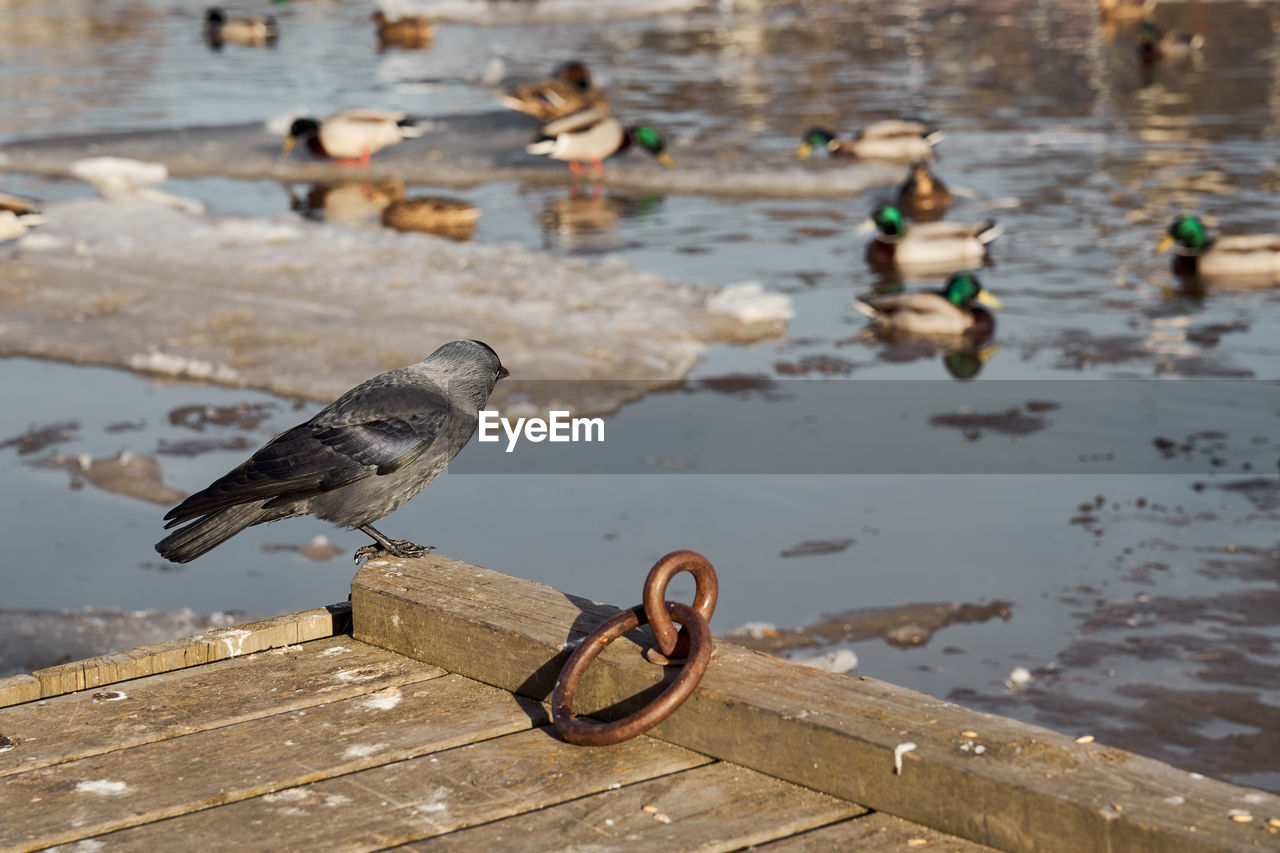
(417, 718)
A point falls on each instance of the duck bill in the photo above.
(988, 300)
(986, 353)
(1165, 244)
(866, 226)
(289, 142)
(804, 150)
(665, 159)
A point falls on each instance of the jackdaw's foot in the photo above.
(399, 548)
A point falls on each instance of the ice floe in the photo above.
(309, 309)
(458, 150)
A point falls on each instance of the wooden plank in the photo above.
(876, 832)
(80, 799)
(717, 807)
(418, 798)
(1028, 788)
(17, 689)
(162, 706)
(286, 630)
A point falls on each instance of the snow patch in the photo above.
(103, 788)
(384, 701)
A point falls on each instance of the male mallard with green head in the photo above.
(923, 197)
(248, 31)
(947, 312)
(895, 140)
(590, 136)
(927, 245)
(349, 137)
(569, 90)
(1237, 255)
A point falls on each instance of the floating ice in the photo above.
(119, 172)
(122, 179)
(838, 661)
(544, 11)
(457, 150)
(748, 303)
(309, 309)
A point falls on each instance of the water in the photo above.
(1142, 599)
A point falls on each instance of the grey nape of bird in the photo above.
(363, 456)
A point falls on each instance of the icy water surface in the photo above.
(1127, 587)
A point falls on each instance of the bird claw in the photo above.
(400, 548)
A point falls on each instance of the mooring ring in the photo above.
(605, 734)
(656, 606)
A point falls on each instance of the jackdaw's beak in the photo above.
(503, 373)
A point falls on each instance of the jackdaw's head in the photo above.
(468, 369)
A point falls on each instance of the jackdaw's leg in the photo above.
(394, 547)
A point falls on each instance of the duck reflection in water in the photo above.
(351, 201)
(588, 220)
(430, 214)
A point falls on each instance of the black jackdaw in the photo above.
(358, 460)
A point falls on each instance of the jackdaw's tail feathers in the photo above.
(187, 543)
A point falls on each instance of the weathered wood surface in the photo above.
(717, 807)
(419, 798)
(190, 651)
(19, 688)
(875, 832)
(338, 745)
(147, 783)
(63, 728)
(1028, 789)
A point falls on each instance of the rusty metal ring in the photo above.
(605, 734)
(655, 604)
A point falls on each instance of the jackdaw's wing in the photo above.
(353, 438)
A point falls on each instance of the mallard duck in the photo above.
(946, 312)
(896, 140)
(408, 31)
(18, 215)
(1155, 44)
(449, 217)
(569, 90)
(591, 136)
(923, 197)
(249, 31)
(349, 137)
(1238, 255)
(932, 245)
(1125, 12)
